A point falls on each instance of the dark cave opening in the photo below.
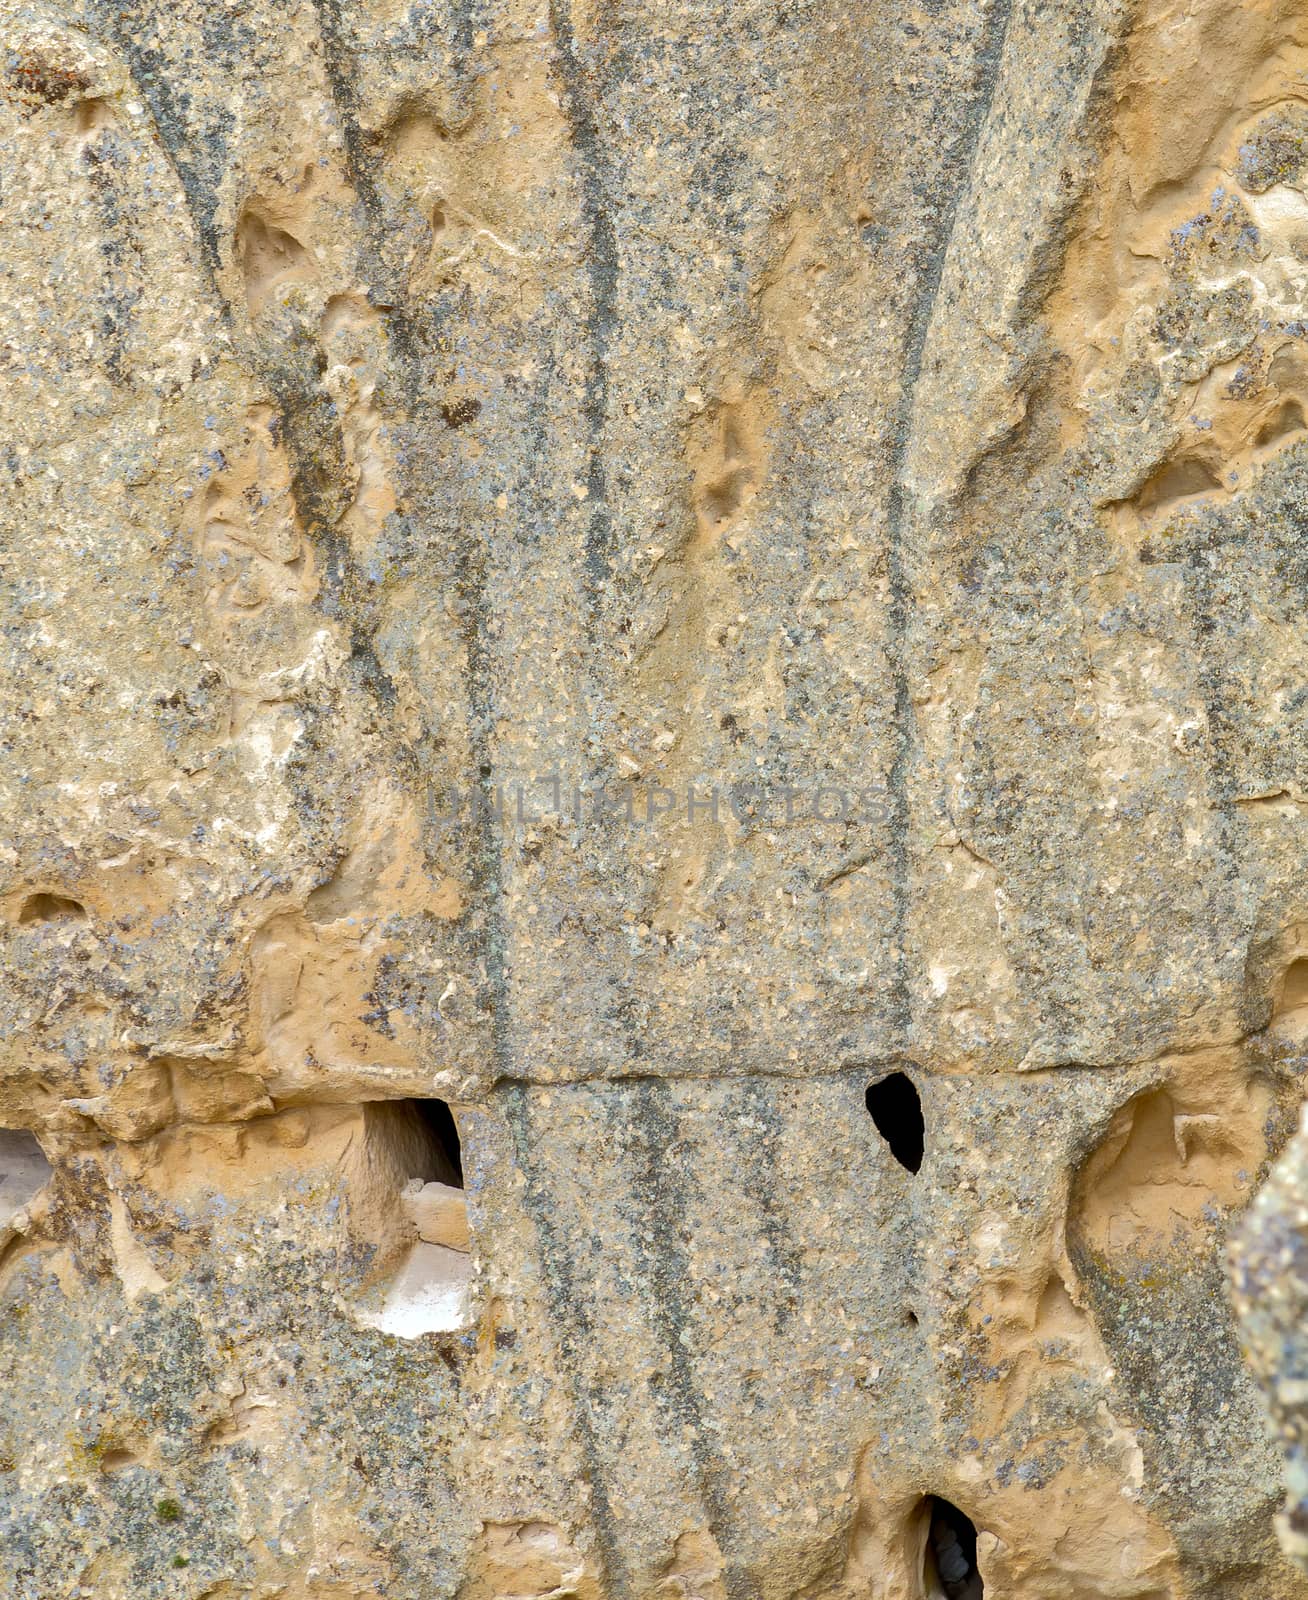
(949, 1569)
(896, 1111)
(438, 1123)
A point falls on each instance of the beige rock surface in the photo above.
(438, 1212)
(687, 619)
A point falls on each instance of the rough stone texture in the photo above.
(1271, 1289)
(890, 418)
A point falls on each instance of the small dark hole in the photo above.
(439, 1122)
(896, 1109)
(949, 1561)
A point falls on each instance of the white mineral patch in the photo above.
(429, 1294)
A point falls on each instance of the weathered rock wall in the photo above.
(718, 589)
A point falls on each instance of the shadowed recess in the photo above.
(949, 1569)
(896, 1110)
(24, 1171)
(1294, 987)
(438, 1121)
(50, 908)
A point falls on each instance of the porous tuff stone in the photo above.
(636, 571)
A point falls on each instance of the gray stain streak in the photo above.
(759, 1174)
(659, 1189)
(168, 112)
(315, 444)
(470, 557)
(961, 157)
(102, 161)
(601, 257)
(336, 64)
(571, 1325)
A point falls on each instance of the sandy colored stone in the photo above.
(438, 1212)
(637, 572)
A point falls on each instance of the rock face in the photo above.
(653, 882)
(1271, 1287)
